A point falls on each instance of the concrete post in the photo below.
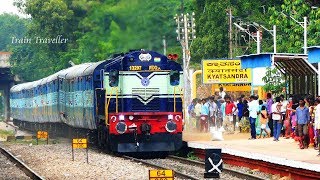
(6, 100)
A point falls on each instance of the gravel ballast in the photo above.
(55, 162)
(9, 171)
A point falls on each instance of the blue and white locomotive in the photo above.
(129, 103)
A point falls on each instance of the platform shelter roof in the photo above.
(287, 63)
(314, 54)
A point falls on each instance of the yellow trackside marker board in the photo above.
(79, 143)
(161, 174)
(224, 71)
(42, 134)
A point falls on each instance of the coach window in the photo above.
(174, 78)
(113, 78)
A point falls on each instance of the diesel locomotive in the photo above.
(131, 102)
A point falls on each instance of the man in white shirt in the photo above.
(277, 118)
(222, 93)
(253, 114)
(213, 109)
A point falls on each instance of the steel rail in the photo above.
(22, 166)
(235, 173)
(176, 173)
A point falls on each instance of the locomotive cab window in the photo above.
(113, 78)
(174, 78)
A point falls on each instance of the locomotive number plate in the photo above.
(135, 68)
(161, 174)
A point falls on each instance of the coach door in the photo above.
(62, 99)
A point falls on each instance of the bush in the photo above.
(244, 125)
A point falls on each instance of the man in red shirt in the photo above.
(228, 120)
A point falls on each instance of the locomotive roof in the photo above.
(69, 73)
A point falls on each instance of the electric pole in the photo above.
(230, 33)
(186, 33)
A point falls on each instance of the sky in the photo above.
(6, 6)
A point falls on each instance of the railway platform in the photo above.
(283, 157)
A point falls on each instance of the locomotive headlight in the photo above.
(170, 117)
(113, 118)
(131, 118)
(121, 127)
(171, 126)
(177, 118)
(121, 117)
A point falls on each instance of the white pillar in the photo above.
(305, 34)
(258, 42)
(187, 90)
(274, 39)
(318, 79)
(164, 46)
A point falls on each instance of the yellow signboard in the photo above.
(42, 134)
(232, 87)
(221, 64)
(224, 71)
(161, 174)
(79, 146)
(79, 143)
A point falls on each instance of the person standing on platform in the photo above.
(253, 114)
(228, 119)
(288, 119)
(191, 112)
(223, 111)
(310, 125)
(303, 118)
(197, 111)
(240, 107)
(263, 121)
(269, 111)
(222, 93)
(235, 112)
(205, 112)
(213, 109)
(277, 118)
(283, 113)
(317, 126)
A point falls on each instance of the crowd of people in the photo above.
(297, 118)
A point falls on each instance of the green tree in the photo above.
(95, 30)
(11, 27)
(274, 81)
(213, 27)
(289, 32)
(212, 30)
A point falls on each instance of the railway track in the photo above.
(22, 166)
(182, 173)
(148, 163)
(232, 172)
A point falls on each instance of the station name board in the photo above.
(224, 71)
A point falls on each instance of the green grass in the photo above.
(34, 141)
(6, 133)
(192, 156)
